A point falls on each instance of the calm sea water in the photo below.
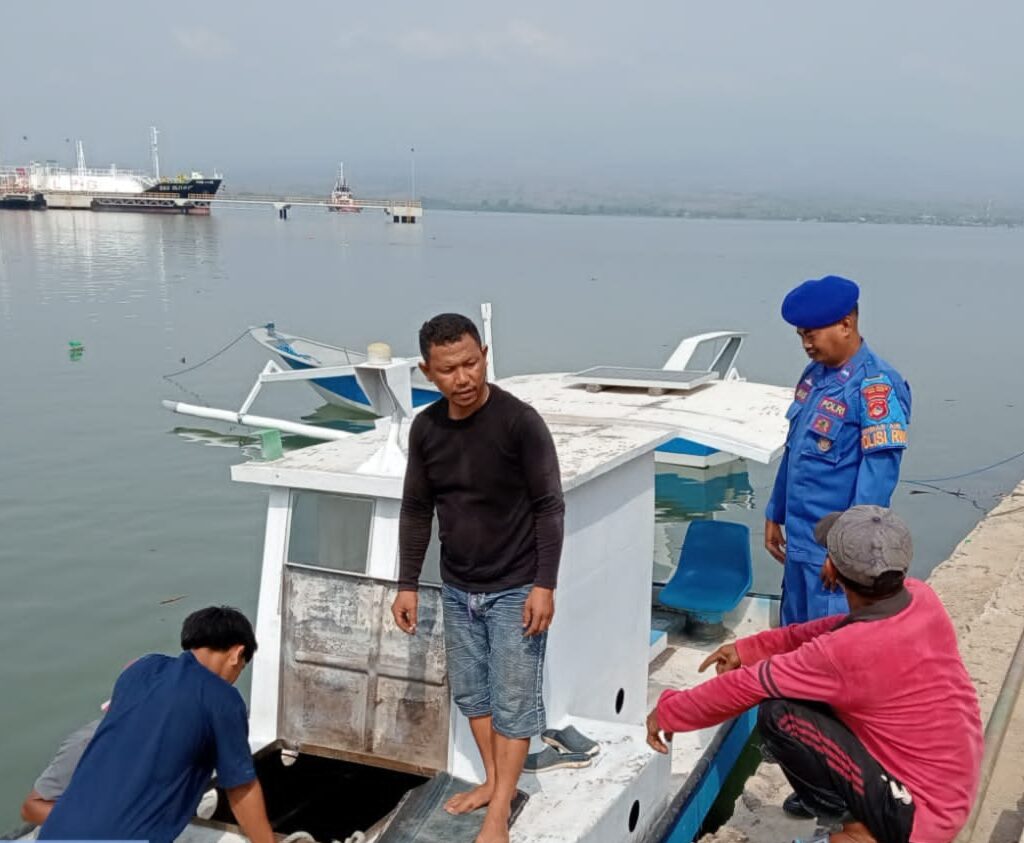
(117, 518)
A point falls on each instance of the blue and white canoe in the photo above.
(342, 390)
(718, 350)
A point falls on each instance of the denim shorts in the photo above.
(493, 668)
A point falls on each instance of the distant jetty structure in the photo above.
(407, 211)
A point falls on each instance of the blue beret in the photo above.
(820, 302)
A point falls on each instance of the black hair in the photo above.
(444, 329)
(886, 585)
(218, 628)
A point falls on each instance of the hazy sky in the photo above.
(891, 97)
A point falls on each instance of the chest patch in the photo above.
(821, 424)
(832, 407)
(803, 390)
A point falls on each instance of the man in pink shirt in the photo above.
(871, 715)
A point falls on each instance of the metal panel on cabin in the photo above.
(352, 683)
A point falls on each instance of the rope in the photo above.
(956, 494)
(1016, 456)
(237, 339)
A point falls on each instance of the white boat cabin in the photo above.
(339, 692)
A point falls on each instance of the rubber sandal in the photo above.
(552, 759)
(570, 740)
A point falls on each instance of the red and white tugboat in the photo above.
(341, 200)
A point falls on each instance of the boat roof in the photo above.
(586, 449)
(593, 431)
(739, 417)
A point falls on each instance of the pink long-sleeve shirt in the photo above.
(897, 682)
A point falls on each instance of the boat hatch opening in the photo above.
(327, 798)
(352, 684)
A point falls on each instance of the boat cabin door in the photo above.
(353, 685)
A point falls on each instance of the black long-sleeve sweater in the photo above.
(494, 480)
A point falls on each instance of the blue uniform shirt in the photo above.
(171, 722)
(847, 434)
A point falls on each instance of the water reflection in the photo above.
(682, 495)
(339, 418)
(237, 436)
(84, 256)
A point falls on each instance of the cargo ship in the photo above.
(49, 185)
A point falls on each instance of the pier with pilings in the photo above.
(401, 211)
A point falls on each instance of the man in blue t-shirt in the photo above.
(171, 723)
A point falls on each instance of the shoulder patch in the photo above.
(883, 421)
(879, 402)
(878, 437)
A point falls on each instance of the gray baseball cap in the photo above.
(865, 541)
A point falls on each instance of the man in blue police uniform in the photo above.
(847, 433)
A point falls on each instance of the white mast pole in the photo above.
(81, 158)
(485, 313)
(154, 151)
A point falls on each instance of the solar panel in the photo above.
(611, 376)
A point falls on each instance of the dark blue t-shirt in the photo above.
(171, 722)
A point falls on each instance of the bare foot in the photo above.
(495, 827)
(470, 800)
(853, 832)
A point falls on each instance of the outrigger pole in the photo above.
(309, 430)
(271, 373)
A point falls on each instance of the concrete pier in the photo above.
(407, 212)
(982, 587)
(402, 211)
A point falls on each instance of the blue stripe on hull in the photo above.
(347, 387)
(703, 796)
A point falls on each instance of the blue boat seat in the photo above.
(714, 571)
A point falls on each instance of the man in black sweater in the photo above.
(486, 462)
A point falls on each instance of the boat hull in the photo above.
(683, 818)
(23, 202)
(184, 188)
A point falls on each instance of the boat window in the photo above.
(330, 531)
